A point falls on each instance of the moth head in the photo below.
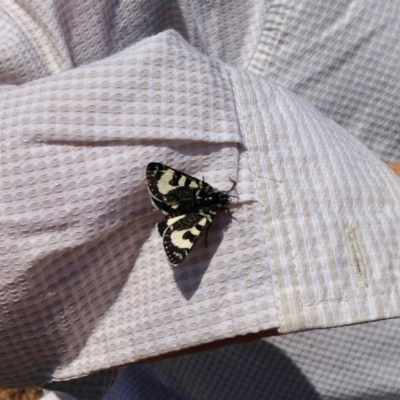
(226, 197)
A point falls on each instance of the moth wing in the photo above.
(182, 232)
(169, 188)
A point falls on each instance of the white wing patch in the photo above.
(178, 237)
(189, 203)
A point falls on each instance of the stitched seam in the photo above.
(268, 40)
(252, 157)
(352, 298)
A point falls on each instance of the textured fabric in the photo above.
(339, 55)
(226, 30)
(331, 215)
(31, 45)
(96, 29)
(342, 56)
(85, 285)
(353, 362)
(83, 262)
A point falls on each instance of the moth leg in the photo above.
(229, 212)
(208, 228)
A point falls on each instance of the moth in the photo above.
(190, 205)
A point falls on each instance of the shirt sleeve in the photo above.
(85, 282)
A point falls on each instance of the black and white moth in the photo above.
(190, 205)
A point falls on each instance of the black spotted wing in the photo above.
(174, 192)
(182, 232)
(189, 203)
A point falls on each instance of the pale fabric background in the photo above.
(91, 94)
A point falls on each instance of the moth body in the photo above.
(190, 205)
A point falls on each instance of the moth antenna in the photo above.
(259, 176)
(233, 186)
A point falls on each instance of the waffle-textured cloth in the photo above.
(352, 362)
(85, 284)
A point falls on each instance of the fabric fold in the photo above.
(84, 272)
(331, 213)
